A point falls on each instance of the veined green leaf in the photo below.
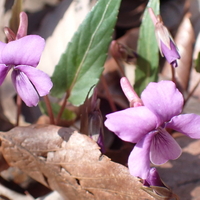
(148, 60)
(82, 63)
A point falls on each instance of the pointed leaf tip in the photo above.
(82, 63)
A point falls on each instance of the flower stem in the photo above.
(190, 94)
(173, 74)
(19, 106)
(62, 109)
(109, 97)
(49, 109)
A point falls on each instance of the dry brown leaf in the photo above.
(3, 163)
(184, 40)
(69, 163)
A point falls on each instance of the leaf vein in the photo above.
(88, 48)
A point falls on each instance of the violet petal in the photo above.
(2, 46)
(154, 179)
(24, 88)
(164, 148)
(38, 78)
(3, 72)
(131, 124)
(139, 160)
(172, 54)
(188, 124)
(26, 51)
(163, 99)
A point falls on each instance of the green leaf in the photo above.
(14, 21)
(197, 63)
(82, 63)
(148, 60)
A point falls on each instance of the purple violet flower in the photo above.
(146, 126)
(23, 56)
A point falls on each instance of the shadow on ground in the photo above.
(183, 174)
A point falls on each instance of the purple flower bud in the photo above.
(23, 25)
(96, 129)
(92, 121)
(153, 178)
(171, 54)
(165, 42)
(95, 122)
(156, 188)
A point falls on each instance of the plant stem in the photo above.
(19, 106)
(173, 74)
(49, 109)
(190, 94)
(62, 109)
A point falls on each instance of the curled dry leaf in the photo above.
(184, 40)
(69, 163)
